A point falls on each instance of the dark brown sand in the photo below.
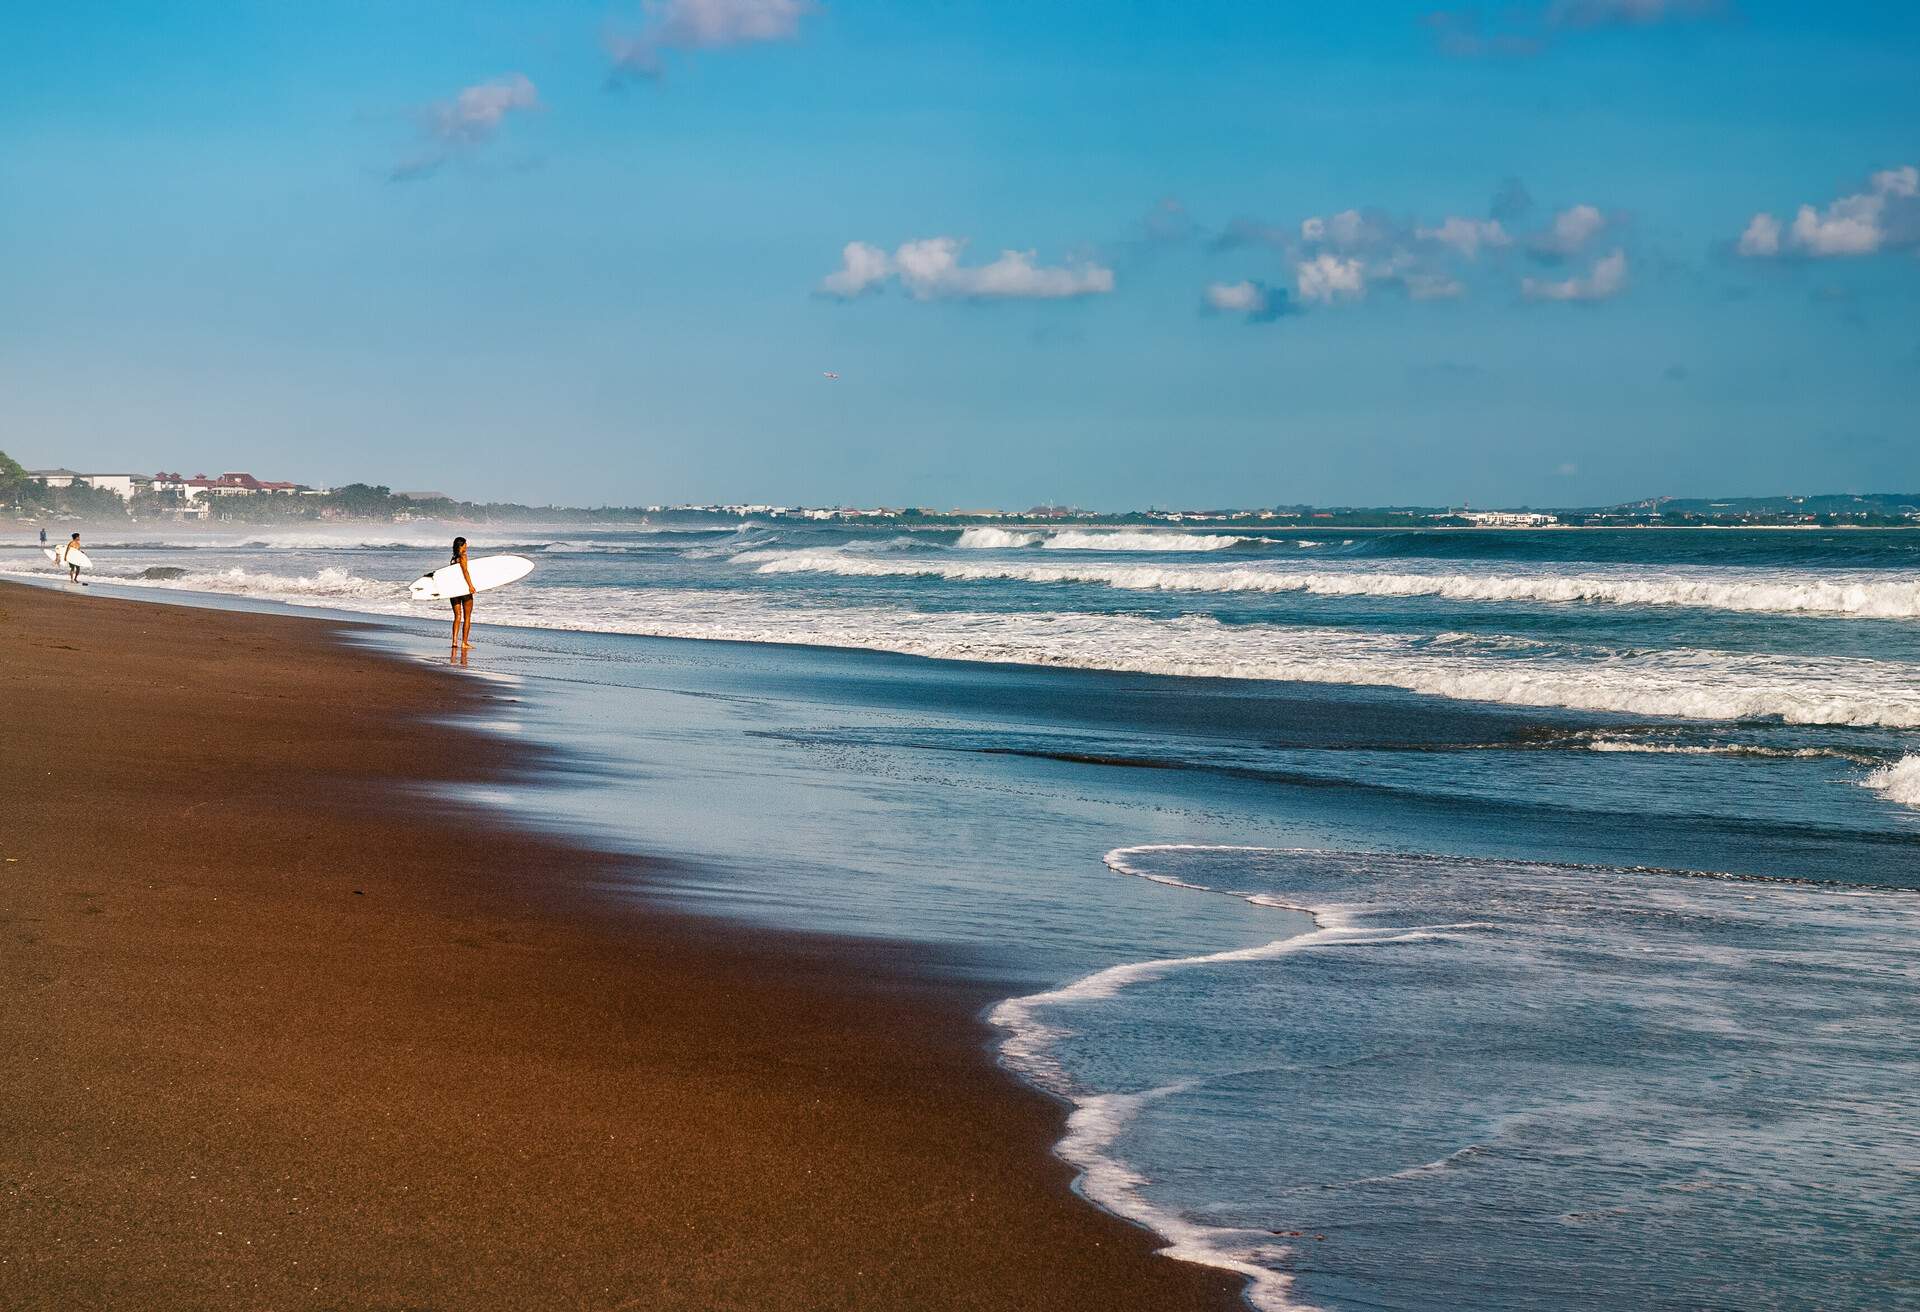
(276, 1032)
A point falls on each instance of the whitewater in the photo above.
(1810, 630)
(1859, 597)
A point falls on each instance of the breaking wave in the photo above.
(1003, 539)
(1683, 683)
(1898, 782)
(328, 585)
(1768, 593)
(996, 539)
(1704, 685)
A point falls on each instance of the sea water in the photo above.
(1411, 920)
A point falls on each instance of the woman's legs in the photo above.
(466, 622)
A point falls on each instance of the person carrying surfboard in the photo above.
(73, 566)
(462, 606)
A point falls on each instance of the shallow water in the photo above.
(1391, 937)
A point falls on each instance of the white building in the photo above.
(121, 485)
(227, 485)
(1508, 518)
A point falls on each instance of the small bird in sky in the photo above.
(829, 376)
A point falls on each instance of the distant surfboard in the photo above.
(75, 556)
(488, 572)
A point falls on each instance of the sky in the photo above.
(968, 253)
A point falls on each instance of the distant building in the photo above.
(1508, 518)
(423, 496)
(227, 485)
(121, 485)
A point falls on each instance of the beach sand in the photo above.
(280, 1030)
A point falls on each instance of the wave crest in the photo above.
(1898, 782)
(1007, 539)
(1775, 594)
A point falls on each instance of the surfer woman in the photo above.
(462, 606)
(73, 566)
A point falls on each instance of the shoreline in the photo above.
(292, 1035)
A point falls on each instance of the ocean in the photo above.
(1411, 920)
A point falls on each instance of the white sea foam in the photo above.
(327, 584)
(1690, 684)
(1639, 747)
(1035, 1026)
(1898, 782)
(996, 539)
(1779, 593)
(1149, 540)
(1003, 539)
(1096, 1121)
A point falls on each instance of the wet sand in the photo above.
(280, 1030)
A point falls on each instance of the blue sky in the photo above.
(1553, 253)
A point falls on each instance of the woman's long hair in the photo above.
(458, 543)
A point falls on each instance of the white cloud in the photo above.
(1244, 297)
(703, 25)
(1467, 236)
(473, 117)
(1572, 229)
(1349, 230)
(1254, 301)
(930, 269)
(1886, 216)
(1851, 226)
(478, 111)
(1903, 182)
(1762, 237)
(862, 268)
(1327, 277)
(1608, 278)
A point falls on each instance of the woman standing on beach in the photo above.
(462, 606)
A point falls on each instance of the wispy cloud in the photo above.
(1630, 13)
(1607, 279)
(1884, 216)
(930, 269)
(466, 122)
(1465, 34)
(1511, 202)
(1467, 236)
(701, 25)
(1168, 221)
(1524, 31)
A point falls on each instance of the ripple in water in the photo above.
(1500, 1085)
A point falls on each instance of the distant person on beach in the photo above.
(73, 569)
(43, 537)
(462, 606)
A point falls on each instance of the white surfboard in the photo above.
(74, 556)
(488, 572)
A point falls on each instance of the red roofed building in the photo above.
(227, 485)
